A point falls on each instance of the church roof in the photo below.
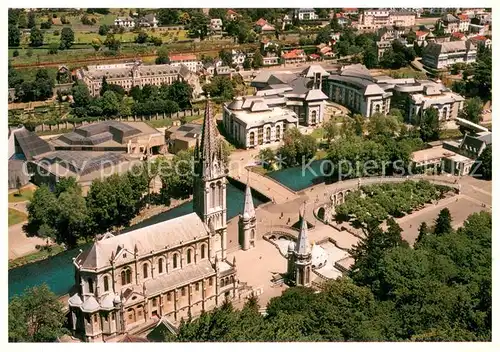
(211, 153)
(303, 245)
(90, 305)
(249, 209)
(156, 237)
(315, 94)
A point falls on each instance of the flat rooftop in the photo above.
(431, 153)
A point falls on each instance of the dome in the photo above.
(236, 104)
(75, 300)
(291, 246)
(117, 299)
(319, 256)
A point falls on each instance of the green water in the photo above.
(298, 179)
(58, 272)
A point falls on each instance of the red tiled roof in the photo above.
(463, 17)
(181, 57)
(261, 22)
(231, 12)
(479, 37)
(349, 9)
(314, 56)
(293, 54)
(458, 35)
(421, 33)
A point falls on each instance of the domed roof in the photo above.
(236, 104)
(319, 256)
(108, 302)
(117, 299)
(90, 305)
(75, 300)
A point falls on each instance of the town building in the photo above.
(238, 57)
(286, 20)
(458, 36)
(125, 22)
(269, 59)
(295, 56)
(190, 61)
(306, 14)
(372, 19)
(481, 40)
(264, 26)
(421, 37)
(232, 15)
(148, 21)
(464, 23)
(128, 75)
(441, 55)
(183, 137)
(216, 25)
(449, 23)
(171, 270)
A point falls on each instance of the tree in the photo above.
(36, 37)
(81, 94)
(141, 38)
(429, 124)
(163, 56)
(168, 17)
(112, 43)
(67, 38)
(180, 92)
(266, 157)
(473, 110)
(297, 148)
(323, 36)
(46, 25)
(96, 44)
(42, 210)
(384, 125)
(14, 35)
(370, 58)
(110, 103)
(104, 29)
(443, 222)
(485, 166)
(72, 219)
(258, 60)
(411, 37)
(226, 57)
(36, 316)
(331, 130)
(104, 86)
(220, 86)
(198, 26)
(31, 20)
(423, 231)
(247, 64)
(157, 41)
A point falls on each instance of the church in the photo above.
(171, 270)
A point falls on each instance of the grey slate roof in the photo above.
(436, 49)
(303, 246)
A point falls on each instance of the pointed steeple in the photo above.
(210, 150)
(249, 209)
(303, 244)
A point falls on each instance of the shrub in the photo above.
(56, 33)
(15, 53)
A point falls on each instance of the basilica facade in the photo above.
(170, 270)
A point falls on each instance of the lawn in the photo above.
(25, 195)
(43, 253)
(318, 133)
(16, 217)
(168, 122)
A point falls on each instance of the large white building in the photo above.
(354, 87)
(190, 61)
(372, 19)
(306, 14)
(441, 55)
(128, 75)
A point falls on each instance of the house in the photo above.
(148, 21)
(481, 40)
(210, 67)
(224, 71)
(270, 59)
(125, 22)
(342, 20)
(464, 23)
(264, 25)
(238, 57)
(314, 57)
(266, 43)
(450, 23)
(350, 11)
(325, 51)
(232, 15)
(188, 60)
(294, 56)
(478, 29)
(421, 36)
(458, 36)
(306, 14)
(286, 20)
(216, 24)
(183, 137)
(441, 55)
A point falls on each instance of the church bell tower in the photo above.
(209, 199)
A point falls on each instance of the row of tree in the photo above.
(40, 88)
(67, 37)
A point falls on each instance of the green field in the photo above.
(25, 195)
(168, 122)
(16, 217)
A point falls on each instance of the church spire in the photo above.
(249, 209)
(303, 245)
(209, 144)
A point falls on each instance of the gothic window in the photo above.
(91, 285)
(232, 279)
(189, 255)
(212, 186)
(145, 270)
(252, 234)
(203, 248)
(278, 133)
(221, 282)
(106, 284)
(226, 282)
(169, 296)
(183, 291)
(95, 318)
(155, 302)
(219, 189)
(175, 260)
(124, 277)
(268, 134)
(197, 286)
(160, 265)
(129, 275)
(210, 282)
